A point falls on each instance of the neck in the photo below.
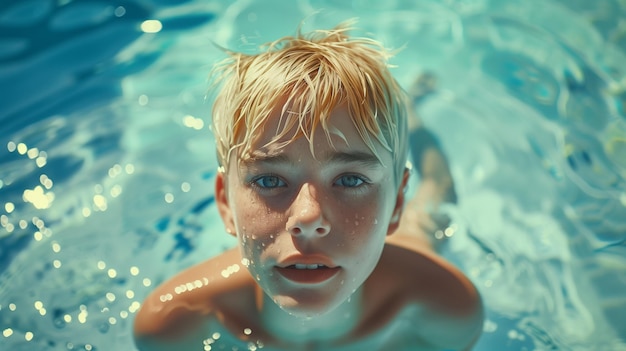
(330, 327)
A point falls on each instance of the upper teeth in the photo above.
(308, 266)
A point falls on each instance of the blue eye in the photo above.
(350, 181)
(268, 182)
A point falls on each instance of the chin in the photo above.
(306, 305)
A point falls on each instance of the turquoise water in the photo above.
(106, 163)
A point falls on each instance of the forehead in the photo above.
(336, 134)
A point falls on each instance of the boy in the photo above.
(312, 144)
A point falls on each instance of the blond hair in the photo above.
(313, 73)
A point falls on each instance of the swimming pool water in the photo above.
(107, 165)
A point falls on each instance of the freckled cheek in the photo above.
(260, 220)
(253, 215)
(362, 222)
(257, 229)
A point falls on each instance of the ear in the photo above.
(399, 206)
(223, 206)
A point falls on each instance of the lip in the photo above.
(306, 259)
(308, 276)
(287, 269)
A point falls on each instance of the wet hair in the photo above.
(309, 74)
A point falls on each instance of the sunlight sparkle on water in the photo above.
(143, 100)
(115, 171)
(169, 198)
(110, 296)
(151, 26)
(39, 307)
(193, 122)
(9, 207)
(38, 197)
(86, 212)
(22, 148)
(100, 202)
(112, 273)
(119, 11)
(82, 315)
(134, 307)
(116, 190)
(32, 153)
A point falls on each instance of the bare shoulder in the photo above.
(450, 305)
(180, 306)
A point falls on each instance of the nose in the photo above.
(307, 218)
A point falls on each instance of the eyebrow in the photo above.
(364, 158)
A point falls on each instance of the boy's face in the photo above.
(311, 228)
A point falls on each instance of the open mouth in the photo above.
(307, 266)
(308, 273)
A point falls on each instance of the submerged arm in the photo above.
(436, 186)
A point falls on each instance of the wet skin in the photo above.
(314, 234)
(291, 207)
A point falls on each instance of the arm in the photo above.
(436, 187)
(431, 163)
